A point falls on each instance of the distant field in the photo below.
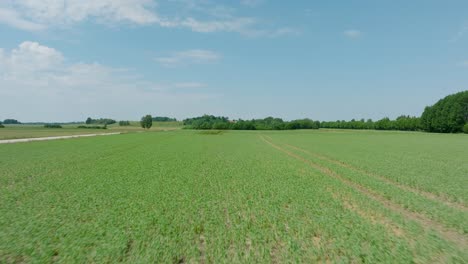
(33, 131)
(195, 196)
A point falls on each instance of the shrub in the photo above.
(465, 128)
(93, 127)
(100, 121)
(124, 123)
(52, 126)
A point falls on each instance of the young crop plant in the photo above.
(306, 196)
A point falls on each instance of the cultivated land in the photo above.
(36, 131)
(203, 196)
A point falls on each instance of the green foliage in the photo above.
(269, 123)
(146, 122)
(163, 119)
(93, 127)
(405, 123)
(100, 121)
(465, 128)
(11, 122)
(124, 123)
(448, 115)
(52, 126)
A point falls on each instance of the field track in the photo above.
(9, 141)
(425, 194)
(427, 223)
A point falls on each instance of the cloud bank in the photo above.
(36, 81)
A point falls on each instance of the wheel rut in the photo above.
(425, 194)
(446, 233)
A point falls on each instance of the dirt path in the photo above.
(425, 222)
(407, 188)
(9, 141)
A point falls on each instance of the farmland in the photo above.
(236, 196)
(36, 131)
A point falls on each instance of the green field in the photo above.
(36, 131)
(194, 196)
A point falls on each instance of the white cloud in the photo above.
(72, 11)
(188, 57)
(352, 33)
(239, 25)
(189, 85)
(12, 18)
(31, 56)
(284, 32)
(252, 3)
(35, 15)
(37, 83)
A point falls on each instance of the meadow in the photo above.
(187, 196)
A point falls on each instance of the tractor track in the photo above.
(446, 233)
(425, 194)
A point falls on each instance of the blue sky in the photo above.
(327, 60)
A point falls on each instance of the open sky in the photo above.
(65, 60)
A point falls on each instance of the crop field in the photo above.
(37, 131)
(237, 196)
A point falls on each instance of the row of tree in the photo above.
(163, 119)
(269, 123)
(11, 122)
(93, 127)
(100, 121)
(52, 126)
(405, 123)
(448, 115)
(124, 123)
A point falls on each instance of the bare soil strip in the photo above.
(427, 195)
(202, 249)
(374, 218)
(9, 141)
(428, 224)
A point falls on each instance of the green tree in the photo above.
(89, 120)
(146, 122)
(11, 122)
(448, 115)
(465, 128)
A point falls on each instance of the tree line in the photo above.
(269, 123)
(448, 115)
(163, 119)
(405, 123)
(11, 122)
(100, 121)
